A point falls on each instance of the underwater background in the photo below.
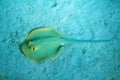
(77, 19)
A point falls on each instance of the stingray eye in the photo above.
(33, 48)
(30, 42)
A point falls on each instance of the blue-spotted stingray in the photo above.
(46, 44)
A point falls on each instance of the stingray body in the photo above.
(46, 43)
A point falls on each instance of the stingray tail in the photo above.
(83, 41)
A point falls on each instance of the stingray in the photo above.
(46, 44)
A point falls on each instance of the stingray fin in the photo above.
(43, 32)
(58, 51)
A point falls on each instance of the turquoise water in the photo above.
(77, 19)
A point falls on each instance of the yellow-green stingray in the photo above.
(45, 43)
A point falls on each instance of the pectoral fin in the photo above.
(58, 50)
(42, 32)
